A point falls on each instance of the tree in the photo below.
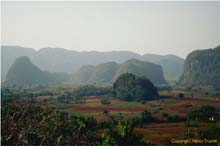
(212, 132)
(108, 138)
(125, 135)
(180, 95)
(106, 112)
(105, 101)
(125, 127)
(27, 124)
(174, 118)
(145, 118)
(204, 113)
(24, 124)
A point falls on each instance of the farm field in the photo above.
(110, 73)
(171, 105)
(172, 115)
(159, 133)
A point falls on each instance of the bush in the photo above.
(174, 118)
(165, 114)
(193, 123)
(87, 90)
(211, 133)
(26, 124)
(180, 95)
(145, 117)
(105, 112)
(143, 102)
(105, 101)
(204, 113)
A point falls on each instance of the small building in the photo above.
(211, 119)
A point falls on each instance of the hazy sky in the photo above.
(142, 27)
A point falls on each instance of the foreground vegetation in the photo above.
(27, 124)
(126, 114)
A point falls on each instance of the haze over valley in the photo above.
(62, 60)
(110, 73)
(105, 67)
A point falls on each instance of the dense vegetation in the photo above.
(129, 87)
(42, 116)
(24, 73)
(212, 132)
(27, 124)
(202, 67)
(87, 90)
(205, 113)
(108, 72)
(10, 93)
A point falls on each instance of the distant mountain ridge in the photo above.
(202, 67)
(108, 72)
(62, 60)
(23, 72)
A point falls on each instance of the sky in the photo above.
(142, 27)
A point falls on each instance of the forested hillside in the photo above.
(108, 72)
(63, 60)
(202, 67)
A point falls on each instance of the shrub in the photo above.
(204, 113)
(26, 124)
(174, 118)
(193, 123)
(180, 95)
(211, 133)
(165, 114)
(105, 101)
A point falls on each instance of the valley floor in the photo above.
(160, 133)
